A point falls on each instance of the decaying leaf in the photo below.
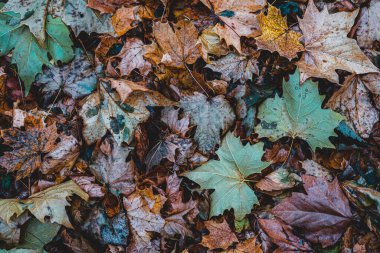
(110, 166)
(220, 237)
(238, 18)
(278, 180)
(235, 67)
(323, 214)
(178, 45)
(122, 20)
(298, 114)
(353, 100)
(283, 236)
(327, 46)
(228, 176)
(368, 25)
(210, 116)
(50, 202)
(76, 79)
(141, 211)
(276, 36)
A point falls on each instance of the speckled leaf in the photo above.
(210, 116)
(298, 114)
(76, 79)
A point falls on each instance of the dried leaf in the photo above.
(220, 237)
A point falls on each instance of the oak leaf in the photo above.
(323, 214)
(50, 202)
(276, 36)
(228, 176)
(327, 46)
(298, 114)
(220, 237)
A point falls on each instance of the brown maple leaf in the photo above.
(220, 237)
(323, 214)
(178, 45)
(29, 147)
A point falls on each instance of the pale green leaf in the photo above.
(228, 176)
(298, 114)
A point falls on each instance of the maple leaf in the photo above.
(247, 246)
(298, 114)
(27, 53)
(368, 25)
(141, 209)
(238, 19)
(50, 202)
(235, 67)
(110, 167)
(80, 18)
(76, 79)
(28, 149)
(163, 149)
(282, 235)
(327, 46)
(323, 214)
(276, 36)
(210, 116)
(178, 47)
(103, 110)
(178, 126)
(212, 43)
(220, 235)
(228, 176)
(354, 101)
(106, 6)
(122, 20)
(278, 180)
(131, 57)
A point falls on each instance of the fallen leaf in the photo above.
(210, 116)
(88, 185)
(327, 46)
(112, 168)
(313, 168)
(247, 246)
(178, 44)
(235, 67)
(143, 219)
(106, 6)
(212, 44)
(278, 180)
(131, 57)
(298, 114)
(178, 126)
(276, 36)
(122, 20)
(368, 29)
(283, 236)
(220, 237)
(228, 176)
(322, 215)
(162, 149)
(28, 149)
(354, 101)
(365, 197)
(50, 202)
(238, 18)
(76, 79)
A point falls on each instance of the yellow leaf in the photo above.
(50, 202)
(276, 36)
(122, 20)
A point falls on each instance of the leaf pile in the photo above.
(189, 126)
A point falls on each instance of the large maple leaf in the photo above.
(298, 114)
(327, 46)
(228, 176)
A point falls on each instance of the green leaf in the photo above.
(298, 114)
(210, 116)
(27, 52)
(228, 176)
(37, 234)
(79, 17)
(33, 15)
